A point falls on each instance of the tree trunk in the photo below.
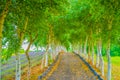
(89, 53)
(29, 62)
(85, 47)
(46, 56)
(2, 19)
(92, 54)
(46, 60)
(101, 58)
(97, 57)
(89, 46)
(56, 51)
(18, 67)
(108, 49)
(48, 44)
(81, 48)
(78, 49)
(0, 56)
(53, 52)
(28, 57)
(109, 62)
(42, 63)
(0, 62)
(51, 57)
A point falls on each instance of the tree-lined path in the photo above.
(88, 27)
(71, 67)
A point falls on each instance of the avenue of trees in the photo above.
(90, 27)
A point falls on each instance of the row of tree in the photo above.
(85, 25)
(91, 25)
(29, 20)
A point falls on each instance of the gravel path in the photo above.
(71, 67)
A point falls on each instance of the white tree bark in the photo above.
(29, 71)
(101, 58)
(97, 58)
(81, 48)
(51, 55)
(101, 65)
(92, 55)
(109, 63)
(54, 53)
(85, 48)
(42, 63)
(0, 65)
(85, 52)
(16, 73)
(89, 51)
(18, 68)
(46, 59)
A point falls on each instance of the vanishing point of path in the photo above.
(71, 67)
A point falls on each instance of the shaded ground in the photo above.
(72, 68)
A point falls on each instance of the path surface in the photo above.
(72, 68)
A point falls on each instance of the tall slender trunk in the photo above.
(56, 50)
(42, 63)
(110, 22)
(46, 59)
(89, 53)
(97, 57)
(101, 58)
(51, 55)
(46, 56)
(49, 37)
(47, 48)
(2, 19)
(78, 49)
(81, 48)
(0, 61)
(53, 51)
(18, 67)
(27, 55)
(0, 57)
(29, 62)
(92, 54)
(85, 47)
(109, 62)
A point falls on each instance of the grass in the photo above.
(114, 60)
(115, 67)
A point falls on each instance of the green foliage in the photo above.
(115, 50)
(72, 22)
